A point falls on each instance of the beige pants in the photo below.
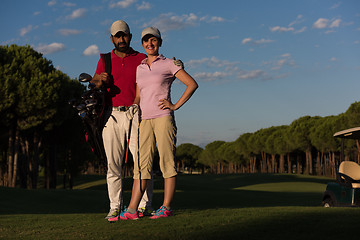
(115, 136)
(160, 131)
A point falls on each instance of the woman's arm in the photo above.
(191, 86)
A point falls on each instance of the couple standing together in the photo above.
(140, 80)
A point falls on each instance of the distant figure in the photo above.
(154, 78)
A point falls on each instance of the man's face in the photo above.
(121, 41)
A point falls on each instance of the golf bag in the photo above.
(91, 109)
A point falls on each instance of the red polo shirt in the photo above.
(123, 89)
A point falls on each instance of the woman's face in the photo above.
(151, 45)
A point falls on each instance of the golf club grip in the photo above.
(127, 151)
(128, 141)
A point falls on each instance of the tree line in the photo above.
(42, 135)
(40, 132)
(306, 146)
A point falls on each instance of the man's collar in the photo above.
(131, 52)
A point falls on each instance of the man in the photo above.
(121, 118)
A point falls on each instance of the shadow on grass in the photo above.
(221, 191)
(278, 223)
(193, 192)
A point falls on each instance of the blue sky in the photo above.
(258, 63)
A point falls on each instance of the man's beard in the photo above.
(123, 48)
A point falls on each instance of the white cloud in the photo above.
(144, 6)
(36, 13)
(217, 19)
(191, 18)
(169, 21)
(284, 60)
(286, 55)
(194, 63)
(210, 77)
(299, 19)
(67, 32)
(333, 59)
(26, 30)
(335, 23)
(281, 62)
(212, 19)
(52, 3)
(77, 13)
(256, 42)
(303, 29)
(281, 29)
(213, 62)
(246, 40)
(336, 5)
(51, 48)
(321, 23)
(122, 4)
(251, 74)
(263, 41)
(69, 4)
(216, 70)
(91, 50)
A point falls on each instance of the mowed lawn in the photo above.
(244, 206)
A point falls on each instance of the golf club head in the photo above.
(85, 95)
(80, 107)
(91, 86)
(82, 114)
(84, 77)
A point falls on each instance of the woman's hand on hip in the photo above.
(165, 104)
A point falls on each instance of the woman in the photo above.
(154, 78)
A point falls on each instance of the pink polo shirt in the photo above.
(123, 90)
(154, 83)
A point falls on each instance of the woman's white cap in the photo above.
(152, 31)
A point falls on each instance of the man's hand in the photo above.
(178, 62)
(100, 80)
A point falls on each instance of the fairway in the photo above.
(244, 206)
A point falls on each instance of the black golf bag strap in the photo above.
(106, 57)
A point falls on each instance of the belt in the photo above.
(120, 108)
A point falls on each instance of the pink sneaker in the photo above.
(162, 212)
(113, 219)
(125, 215)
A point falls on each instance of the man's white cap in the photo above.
(119, 26)
(152, 31)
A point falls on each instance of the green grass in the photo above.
(245, 206)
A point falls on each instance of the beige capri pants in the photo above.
(160, 131)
